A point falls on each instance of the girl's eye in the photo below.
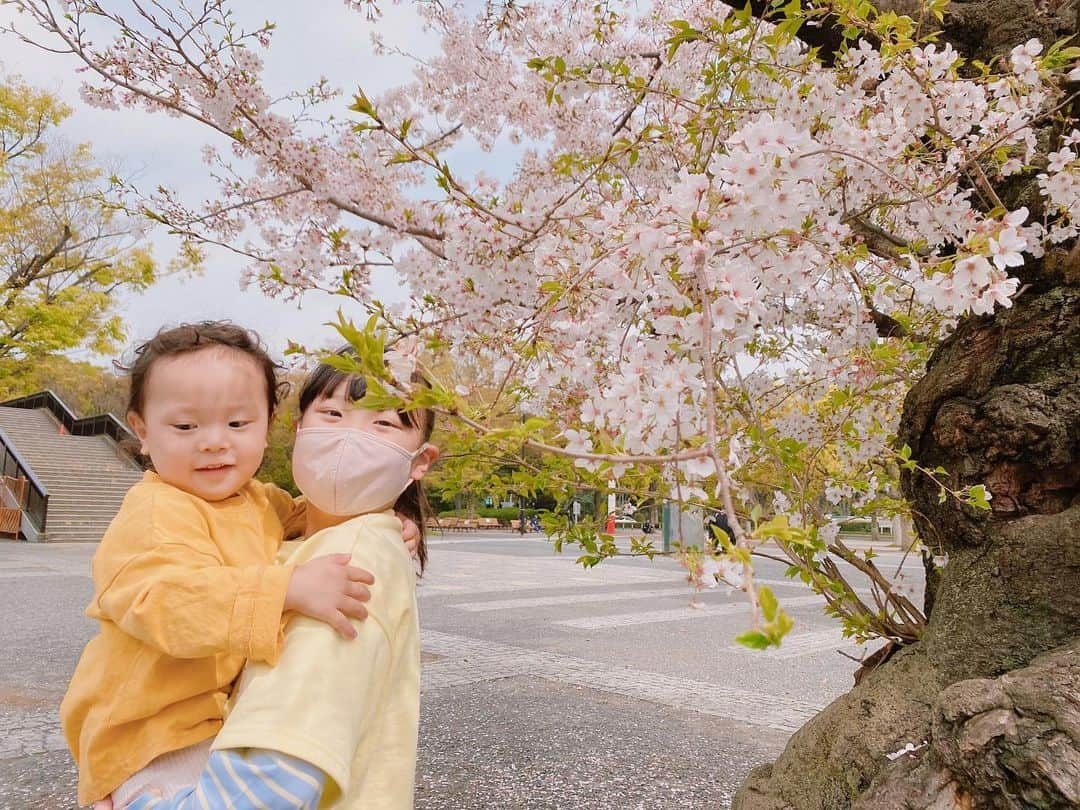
(331, 412)
(386, 423)
(239, 423)
(184, 427)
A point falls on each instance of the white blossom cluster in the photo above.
(692, 236)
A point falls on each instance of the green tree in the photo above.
(87, 389)
(277, 462)
(66, 247)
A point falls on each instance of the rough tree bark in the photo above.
(993, 689)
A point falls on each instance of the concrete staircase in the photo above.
(87, 476)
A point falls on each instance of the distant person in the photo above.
(185, 586)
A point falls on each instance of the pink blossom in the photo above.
(1057, 161)
(1005, 249)
(972, 272)
(1023, 60)
(1015, 219)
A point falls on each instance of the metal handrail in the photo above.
(37, 498)
(104, 424)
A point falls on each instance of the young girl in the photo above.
(335, 722)
(185, 589)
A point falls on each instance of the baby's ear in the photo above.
(138, 426)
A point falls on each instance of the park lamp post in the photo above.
(521, 496)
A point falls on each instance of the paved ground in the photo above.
(545, 685)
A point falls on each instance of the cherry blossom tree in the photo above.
(764, 258)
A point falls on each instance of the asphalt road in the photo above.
(545, 685)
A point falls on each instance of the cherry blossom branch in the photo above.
(624, 119)
(712, 439)
(425, 237)
(611, 458)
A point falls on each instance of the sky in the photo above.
(313, 39)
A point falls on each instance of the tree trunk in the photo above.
(992, 692)
(990, 698)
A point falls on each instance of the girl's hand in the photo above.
(410, 533)
(104, 804)
(330, 590)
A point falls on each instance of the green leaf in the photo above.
(589, 560)
(784, 623)
(362, 105)
(979, 497)
(768, 602)
(753, 639)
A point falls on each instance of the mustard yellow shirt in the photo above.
(349, 707)
(185, 591)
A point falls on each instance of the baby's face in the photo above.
(205, 420)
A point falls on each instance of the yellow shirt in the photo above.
(349, 707)
(184, 591)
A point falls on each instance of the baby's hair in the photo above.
(413, 503)
(191, 337)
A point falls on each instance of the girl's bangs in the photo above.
(325, 380)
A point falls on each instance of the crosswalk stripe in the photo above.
(473, 661)
(675, 615)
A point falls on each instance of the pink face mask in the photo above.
(343, 471)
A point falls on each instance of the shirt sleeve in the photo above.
(251, 779)
(292, 512)
(175, 593)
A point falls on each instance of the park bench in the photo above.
(457, 524)
(12, 500)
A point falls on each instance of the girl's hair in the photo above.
(191, 337)
(413, 503)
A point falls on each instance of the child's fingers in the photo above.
(352, 607)
(357, 590)
(410, 532)
(104, 804)
(359, 574)
(340, 622)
